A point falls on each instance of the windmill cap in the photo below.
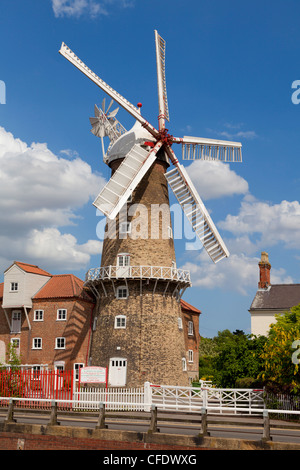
(136, 135)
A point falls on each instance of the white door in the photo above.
(123, 265)
(117, 371)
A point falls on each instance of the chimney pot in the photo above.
(264, 271)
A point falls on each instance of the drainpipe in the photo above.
(89, 340)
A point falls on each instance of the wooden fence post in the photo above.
(101, 419)
(266, 430)
(203, 431)
(153, 420)
(53, 416)
(10, 412)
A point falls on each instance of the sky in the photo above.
(232, 73)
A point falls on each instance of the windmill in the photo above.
(140, 328)
(142, 155)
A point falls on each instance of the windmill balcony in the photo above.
(138, 272)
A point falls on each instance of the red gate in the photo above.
(44, 384)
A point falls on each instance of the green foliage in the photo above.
(229, 357)
(239, 357)
(280, 369)
(239, 360)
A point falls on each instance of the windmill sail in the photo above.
(196, 148)
(161, 79)
(196, 213)
(125, 179)
(66, 52)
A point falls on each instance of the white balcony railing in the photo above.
(138, 272)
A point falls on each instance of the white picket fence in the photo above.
(166, 397)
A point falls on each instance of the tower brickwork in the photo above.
(142, 328)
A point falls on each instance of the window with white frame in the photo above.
(180, 323)
(37, 343)
(14, 286)
(38, 315)
(123, 259)
(77, 367)
(190, 328)
(61, 314)
(183, 363)
(60, 343)
(120, 321)
(191, 355)
(122, 292)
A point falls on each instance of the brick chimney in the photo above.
(264, 271)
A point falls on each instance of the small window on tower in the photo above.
(123, 259)
(122, 292)
(120, 321)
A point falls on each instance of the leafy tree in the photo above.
(239, 358)
(280, 369)
(229, 357)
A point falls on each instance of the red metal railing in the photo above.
(44, 384)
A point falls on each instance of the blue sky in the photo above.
(229, 69)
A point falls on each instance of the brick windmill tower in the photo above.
(138, 334)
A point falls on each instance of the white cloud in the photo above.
(92, 8)
(271, 223)
(52, 248)
(238, 273)
(238, 135)
(77, 8)
(39, 194)
(214, 179)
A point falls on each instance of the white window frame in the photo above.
(119, 290)
(58, 314)
(58, 340)
(180, 323)
(76, 367)
(14, 287)
(184, 366)
(123, 260)
(190, 328)
(120, 322)
(37, 343)
(38, 313)
(125, 227)
(191, 355)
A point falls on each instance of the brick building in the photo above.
(52, 320)
(48, 317)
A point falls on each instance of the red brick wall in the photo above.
(75, 330)
(9, 441)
